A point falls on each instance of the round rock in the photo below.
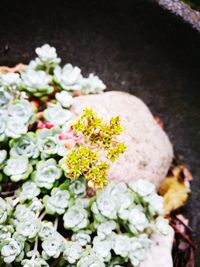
(149, 152)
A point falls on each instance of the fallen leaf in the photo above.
(174, 191)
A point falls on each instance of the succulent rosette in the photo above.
(29, 191)
(47, 142)
(6, 231)
(73, 218)
(90, 261)
(47, 172)
(26, 146)
(76, 218)
(68, 78)
(12, 250)
(5, 98)
(72, 252)
(10, 80)
(5, 210)
(38, 262)
(52, 246)
(92, 85)
(57, 115)
(47, 55)
(36, 82)
(18, 168)
(57, 202)
(64, 98)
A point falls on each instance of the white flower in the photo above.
(69, 78)
(10, 79)
(29, 191)
(92, 85)
(102, 248)
(47, 54)
(73, 252)
(76, 218)
(138, 219)
(65, 99)
(142, 187)
(57, 115)
(105, 229)
(162, 225)
(121, 245)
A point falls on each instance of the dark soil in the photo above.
(134, 46)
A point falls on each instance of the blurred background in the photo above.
(134, 46)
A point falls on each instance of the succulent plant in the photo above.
(92, 85)
(5, 210)
(11, 250)
(10, 80)
(52, 246)
(47, 55)
(25, 146)
(34, 262)
(36, 82)
(90, 261)
(57, 115)
(47, 172)
(28, 229)
(5, 98)
(68, 78)
(18, 168)
(72, 252)
(64, 98)
(57, 202)
(29, 191)
(6, 231)
(48, 218)
(76, 218)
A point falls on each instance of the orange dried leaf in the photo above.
(174, 191)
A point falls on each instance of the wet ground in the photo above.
(133, 45)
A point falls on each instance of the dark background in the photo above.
(133, 45)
